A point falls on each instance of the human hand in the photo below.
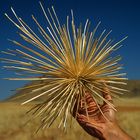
(101, 121)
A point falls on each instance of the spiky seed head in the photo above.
(64, 62)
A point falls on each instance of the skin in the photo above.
(102, 127)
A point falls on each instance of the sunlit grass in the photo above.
(12, 122)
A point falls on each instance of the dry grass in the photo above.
(12, 119)
(12, 127)
(129, 121)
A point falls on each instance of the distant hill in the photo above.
(134, 87)
(21, 95)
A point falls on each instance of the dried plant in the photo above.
(65, 61)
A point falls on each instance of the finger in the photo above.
(85, 105)
(90, 103)
(108, 107)
(89, 98)
(82, 102)
(81, 117)
(86, 98)
(109, 112)
(107, 94)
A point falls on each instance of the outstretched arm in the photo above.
(101, 124)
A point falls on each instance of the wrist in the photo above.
(114, 132)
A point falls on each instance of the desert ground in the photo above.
(13, 119)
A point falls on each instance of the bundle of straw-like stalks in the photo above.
(66, 62)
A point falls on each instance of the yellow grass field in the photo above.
(12, 120)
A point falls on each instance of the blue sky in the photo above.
(121, 16)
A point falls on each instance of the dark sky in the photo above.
(121, 16)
